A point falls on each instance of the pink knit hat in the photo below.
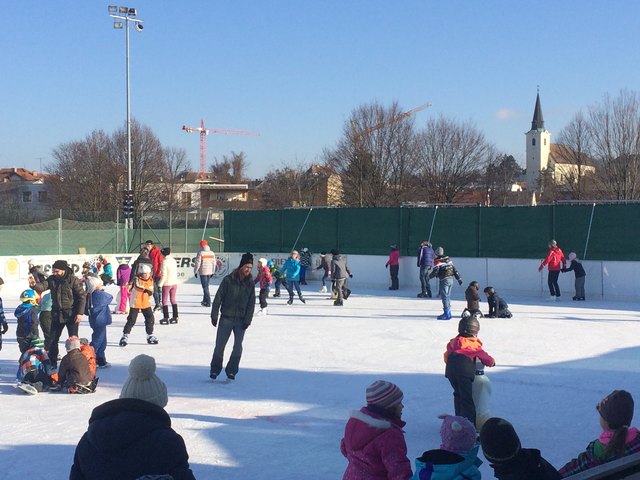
(384, 394)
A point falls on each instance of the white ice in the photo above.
(305, 367)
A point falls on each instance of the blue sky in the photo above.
(294, 70)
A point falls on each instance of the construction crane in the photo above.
(389, 121)
(203, 141)
(357, 137)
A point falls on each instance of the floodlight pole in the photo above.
(125, 14)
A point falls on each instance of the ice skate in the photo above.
(124, 341)
(422, 295)
(323, 289)
(446, 315)
(164, 321)
(173, 320)
(552, 298)
(290, 301)
(152, 340)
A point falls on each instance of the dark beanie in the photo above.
(499, 440)
(334, 251)
(617, 409)
(246, 258)
(60, 265)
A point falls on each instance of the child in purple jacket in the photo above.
(123, 275)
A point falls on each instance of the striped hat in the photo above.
(384, 394)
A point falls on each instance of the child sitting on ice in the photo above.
(457, 457)
(617, 440)
(497, 305)
(579, 273)
(35, 368)
(74, 373)
(460, 370)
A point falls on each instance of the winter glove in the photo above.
(540, 268)
(196, 275)
(460, 282)
(245, 326)
(214, 320)
(386, 266)
(351, 275)
(148, 292)
(5, 327)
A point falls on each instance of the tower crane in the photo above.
(358, 136)
(389, 121)
(203, 140)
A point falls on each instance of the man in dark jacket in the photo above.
(235, 301)
(68, 302)
(339, 272)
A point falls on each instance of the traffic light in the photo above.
(127, 204)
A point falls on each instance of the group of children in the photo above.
(498, 307)
(375, 447)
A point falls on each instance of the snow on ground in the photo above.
(306, 366)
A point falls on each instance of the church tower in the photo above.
(538, 147)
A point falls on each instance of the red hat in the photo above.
(203, 243)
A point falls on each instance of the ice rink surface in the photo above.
(305, 367)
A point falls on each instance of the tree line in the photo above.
(381, 159)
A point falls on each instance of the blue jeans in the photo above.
(445, 292)
(324, 279)
(425, 270)
(291, 284)
(206, 296)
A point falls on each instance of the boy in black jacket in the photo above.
(501, 446)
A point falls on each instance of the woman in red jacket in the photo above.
(555, 262)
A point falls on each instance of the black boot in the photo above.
(165, 315)
(174, 310)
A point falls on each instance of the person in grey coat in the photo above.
(235, 301)
(339, 272)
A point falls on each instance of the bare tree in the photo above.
(85, 174)
(147, 164)
(231, 169)
(574, 148)
(375, 157)
(614, 129)
(502, 171)
(291, 186)
(175, 168)
(451, 156)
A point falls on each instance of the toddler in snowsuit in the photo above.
(460, 356)
(617, 440)
(501, 446)
(27, 315)
(578, 270)
(141, 294)
(498, 307)
(457, 457)
(97, 308)
(473, 298)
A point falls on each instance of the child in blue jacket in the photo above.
(97, 308)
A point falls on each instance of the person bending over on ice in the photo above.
(373, 441)
(498, 307)
(446, 272)
(580, 275)
(74, 369)
(473, 298)
(235, 302)
(618, 439)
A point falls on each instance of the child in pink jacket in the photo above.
(373, 440)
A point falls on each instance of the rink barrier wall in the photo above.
(610, 280)
(604, 231)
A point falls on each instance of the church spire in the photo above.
(538, 121)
